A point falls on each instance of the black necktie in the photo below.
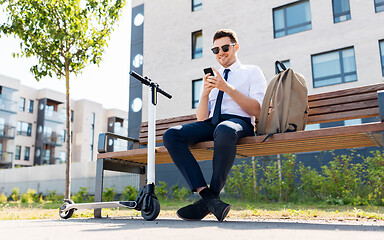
(217, 111)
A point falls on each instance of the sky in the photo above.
(107, 84)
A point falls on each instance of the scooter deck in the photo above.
(96, 205)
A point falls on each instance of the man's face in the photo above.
(226, 59)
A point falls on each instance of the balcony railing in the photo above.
(53, 139)
(55, 116)
(7, 131)
(123, 131)
(8, 105)
(6, 157)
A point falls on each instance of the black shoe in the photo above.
(212, 200)
(193, 212)
(219, 208)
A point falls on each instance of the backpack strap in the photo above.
(282, 66)
(262, 125)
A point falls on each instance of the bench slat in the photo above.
(295, 142)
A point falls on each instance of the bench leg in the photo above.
(99, 186)
(143, 179)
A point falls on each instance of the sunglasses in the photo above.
(225, 48)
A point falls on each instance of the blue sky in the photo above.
(107, 84)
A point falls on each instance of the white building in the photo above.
(335, 44)
(32, 126)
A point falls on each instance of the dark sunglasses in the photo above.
(225, 48)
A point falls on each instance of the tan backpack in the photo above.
(285, 104)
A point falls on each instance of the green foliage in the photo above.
(180, 193)
(312, 183)
(242, 182)
(15, 195)
(109, 194)
(64, 35)
(375, 177)
(31, 197)
(340, 182)
(3, 198)
(161, 190)
(82, 196)
(129, 193)
(54, 197)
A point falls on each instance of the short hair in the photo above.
(225, 33)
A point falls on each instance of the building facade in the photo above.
(33, 131)
(335, 44)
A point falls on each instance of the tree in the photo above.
(65, 36)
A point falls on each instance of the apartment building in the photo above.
(335, 44)
(33, 132)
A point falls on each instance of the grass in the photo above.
(240, 210)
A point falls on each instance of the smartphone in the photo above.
(208, 70)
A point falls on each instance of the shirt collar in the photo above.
(233, 67)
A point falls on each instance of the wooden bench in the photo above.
(355, 103)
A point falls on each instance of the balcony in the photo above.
(8, 105)
(54, 116)
(53, 139)
(123, 131)
(7, 131)
(6, 157)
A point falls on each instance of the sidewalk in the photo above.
(168, 228)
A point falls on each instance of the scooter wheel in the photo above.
(66, 214)
(153, 212)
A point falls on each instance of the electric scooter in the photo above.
(146, 201)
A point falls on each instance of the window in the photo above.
(92, 136)
(286, 63)
(24, 129)
(197, 5)
(292, 18)
(72, 115)
(334, 67)
(379, 5)
(30, 107)
(22, 105)
(196, 91)
(26, 153)
(197, 44)
(341, 10)
(17, 152)
(381, 44)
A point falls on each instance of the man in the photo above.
(229, 103)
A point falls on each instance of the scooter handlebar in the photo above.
(148, 82)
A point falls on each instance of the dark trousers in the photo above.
(225, 136)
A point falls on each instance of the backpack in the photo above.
(285, 104)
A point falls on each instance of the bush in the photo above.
(312, 185)
(109, 194)
(129, 193)
(180, 194)
(15, 195)
(375, 177)
(3, 198)
(30, 197)
(53, 197)
(82, 196)
(161, 190)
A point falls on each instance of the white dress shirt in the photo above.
(247, 79)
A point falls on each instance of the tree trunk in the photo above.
(69, 136)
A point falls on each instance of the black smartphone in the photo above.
(208, 70)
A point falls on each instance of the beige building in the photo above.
(32, 126)
(335, 44)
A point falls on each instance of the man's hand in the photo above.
(218, 82)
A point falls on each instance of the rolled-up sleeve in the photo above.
(257, 85)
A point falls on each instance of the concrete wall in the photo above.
(52, 177)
